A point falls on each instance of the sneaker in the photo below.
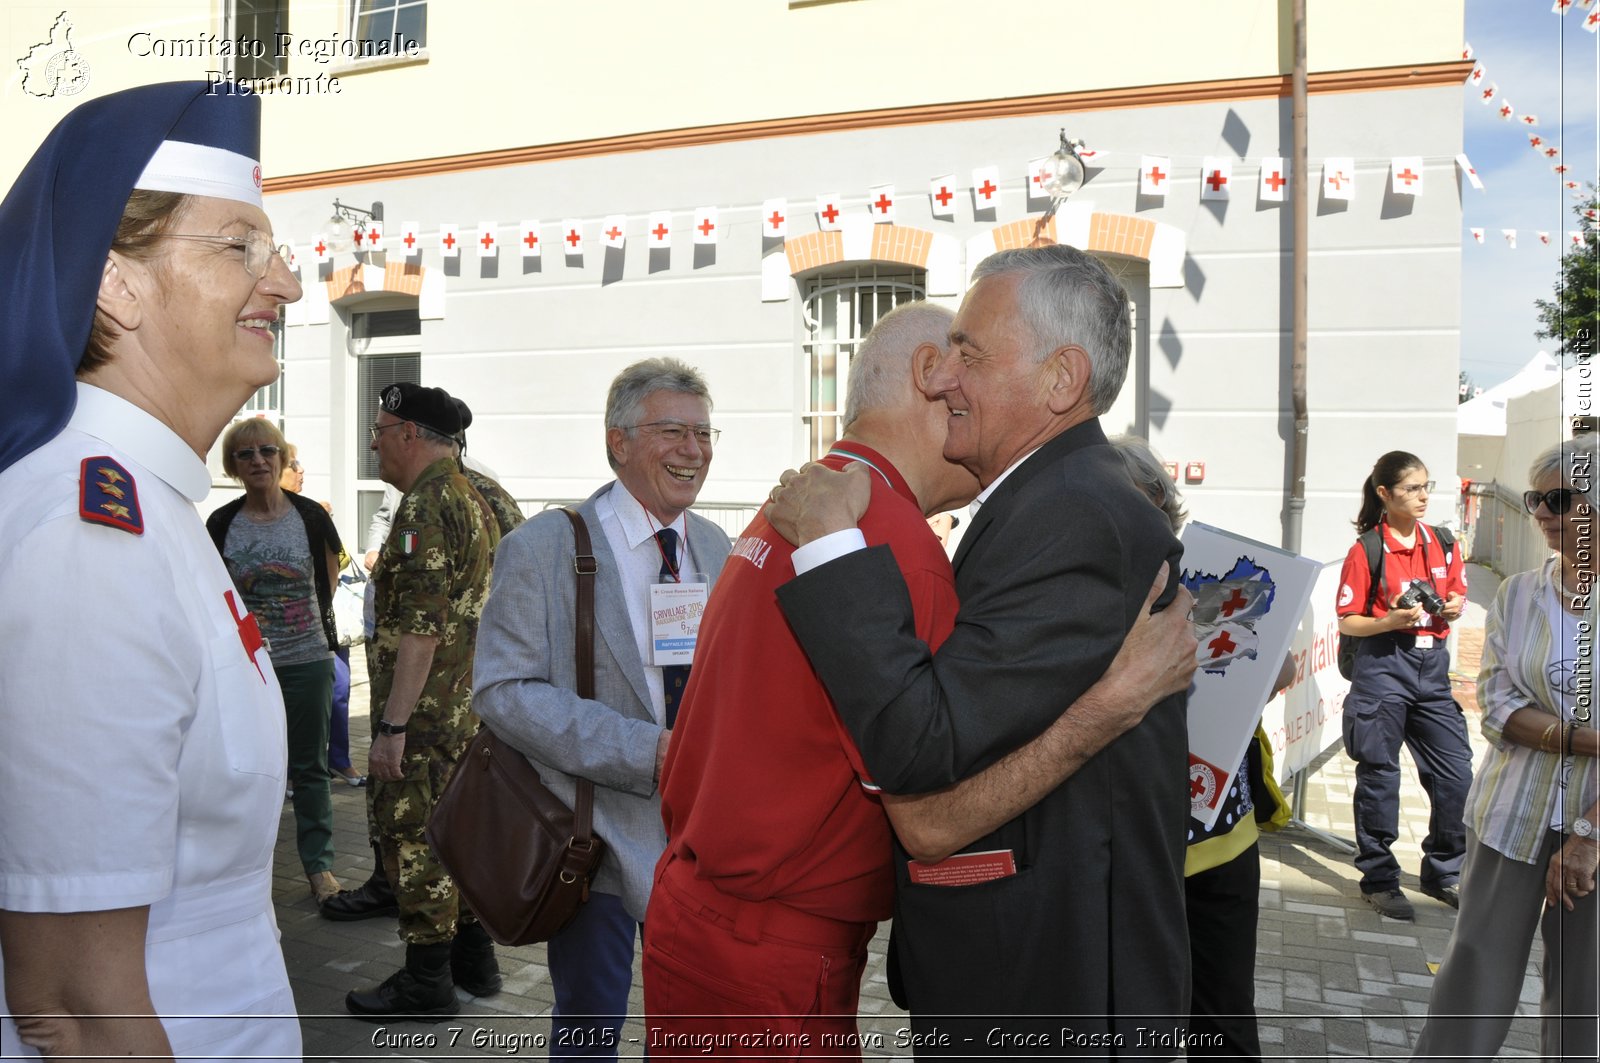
(1444, 894)
(1391, 904)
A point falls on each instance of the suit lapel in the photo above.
(610, 606)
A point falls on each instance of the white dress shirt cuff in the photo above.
(830, 546)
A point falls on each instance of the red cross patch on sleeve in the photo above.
(107, 495)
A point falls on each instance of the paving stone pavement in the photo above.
(1333, 978)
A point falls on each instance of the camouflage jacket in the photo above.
(432, 578)
(507, 514)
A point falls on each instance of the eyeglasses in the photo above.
(267, 450)
(294, 466)
(257, 247)
(1557, 500)
(675, 432)
(375, 429)
(1407, 490)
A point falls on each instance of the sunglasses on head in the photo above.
(267, 450)
(1557, 500)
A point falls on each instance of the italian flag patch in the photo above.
(408, 542)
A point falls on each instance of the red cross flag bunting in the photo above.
(1476, 77)
(1466, 50)
(1155, 173)
(488, 243)
(1560, 6)
(1274, 176)
(528, 239)
(319, 244)
(1584, 5)
(1488, 93)
(829, 212)
(1529, 119)
(1575, 237)
(1038, 174)
(614, 229)
(1544, 237)
(986, 187)
(1551, 151)
(1511, 238)
(775, 219)
(706, 227)
(1216, 178)
(1339, 178)
(1591, 21)
(449, 240)
(1477, 234)
(291, 258)
(374, 235)
(572, 238)
(1573, 186)
(1558, 169)
(658, 229)
(1506, 111)
(408, 239)
(942, 196)
(1468, 172)
(880, 203)
(1405, 175)
(1535, 141)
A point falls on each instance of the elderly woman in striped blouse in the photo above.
(1532, 847)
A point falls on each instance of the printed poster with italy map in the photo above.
(1249, 599)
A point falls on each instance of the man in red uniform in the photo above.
(778, 864)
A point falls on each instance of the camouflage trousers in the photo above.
(397, 814)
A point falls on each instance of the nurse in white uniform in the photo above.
(142, 768)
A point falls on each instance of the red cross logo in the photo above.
(249, 632)
(1222, 644)
(706, 226)
(1197, 787)
(613, 232)
(373, 236)
(1488, 93)
(410, 238)
(988, 189)
(1216, 180)
(1156, 176)
(1529, 119)
(1276, 181)
(1534, 140)
(776, 220)
(1551, 152)
(531, 239)
(1038, 178)
(449, 241)
(487, 240)
(1234, 603)
(1407, 176)
(1505, 110)
(573, 238)
(830, 212)
(1594, 17)
(321, 248)
(944, 196)
(884, 203)
(1337, 179)
(659, 232)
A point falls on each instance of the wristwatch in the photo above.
(1583, 828)
(387, 728)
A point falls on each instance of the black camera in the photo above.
(1421, 593)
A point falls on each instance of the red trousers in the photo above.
(735, 979)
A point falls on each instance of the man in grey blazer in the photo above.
(659, 440)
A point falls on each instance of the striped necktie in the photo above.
(674, 677)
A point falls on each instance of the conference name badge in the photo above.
(675, 612)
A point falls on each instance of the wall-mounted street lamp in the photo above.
(354, 221)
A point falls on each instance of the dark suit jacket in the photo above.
(1051, 575)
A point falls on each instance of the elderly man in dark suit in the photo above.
(1064, 932)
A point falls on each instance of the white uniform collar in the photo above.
(638, 527)
(143, 438)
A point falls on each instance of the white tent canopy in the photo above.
(1486, 414)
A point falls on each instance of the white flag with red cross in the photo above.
(1506, 111)
(1591, 21)
(1274, 175)
(1039, 171)
(1476, 77)
(1575, 237)
(1488, 92)
(1511, 238)
(291, 258)
(1535, 141)
(1559, 169)
(572, 237)
(528, 239)
(1560, 6)
(775, 218)
(1405, 175)
(1339, 177)
(488, 240)
(449, 240)
(1477, 234)
(658, 229)
(374, 235)
(1528, 119)
(614, 230)
(880, 204)
(829, 212)
(1550, 151)
(942, 196)
(706, 230)
(986, 187)
(319, 245)
(1469, 172)
(1544, 237)
(409, 239)
(1216, 178)
(1466, 50)
(1155, 174)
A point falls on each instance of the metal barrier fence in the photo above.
(1498, 532)
(731, 517)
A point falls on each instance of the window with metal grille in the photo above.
(261, 21)
(839, 310)
(376, 372)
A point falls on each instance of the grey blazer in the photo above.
(524, 684)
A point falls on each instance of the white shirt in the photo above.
(631, 533)
(144, 748)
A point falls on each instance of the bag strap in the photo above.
(1372, 543)
(584, 566)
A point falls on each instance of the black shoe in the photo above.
(1444, 894)
(472, 962)
(421, 991)
(1391, 904)
(373, 898)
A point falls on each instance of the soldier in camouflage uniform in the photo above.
(431, 579)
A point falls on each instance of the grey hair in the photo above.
(1069, 297)
(1575, 462)
(1149, 475)
(877, 372)
(638, 382)
(438, 439)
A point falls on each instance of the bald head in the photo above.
(879, 370)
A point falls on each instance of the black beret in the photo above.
(465, 411)
(429, 407)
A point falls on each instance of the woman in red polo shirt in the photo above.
(1400, 687)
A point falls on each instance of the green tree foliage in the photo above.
(1572, 318)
